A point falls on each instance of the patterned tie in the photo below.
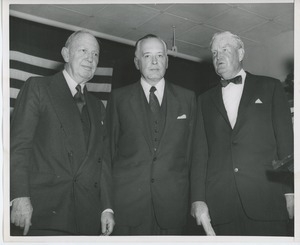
(153, 101)
(235, 80)
(79, 98)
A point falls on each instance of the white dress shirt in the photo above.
(71, 83)
(232, 94)
(160, 88)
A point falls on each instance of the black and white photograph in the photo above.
(150, 122)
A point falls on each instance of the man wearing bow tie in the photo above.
(151, 126)
(59, 166)
(243, 124)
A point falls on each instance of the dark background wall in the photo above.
(46, 42)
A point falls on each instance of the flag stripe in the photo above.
(15, 83)
(21, 75)
(14, 92)
(96, 87)
(33, 60)
(33, 69)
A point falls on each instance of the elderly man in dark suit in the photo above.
(59, 167)
(151, 127)
(243, 124)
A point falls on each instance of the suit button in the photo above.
(234, 142)
(152, 180)
(236, 170)
(154, 159)
(99, 160)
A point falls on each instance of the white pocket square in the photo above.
(183, 116)
(258, 101)
(102, 122)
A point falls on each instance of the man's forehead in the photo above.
(84, 38)
(223, 40)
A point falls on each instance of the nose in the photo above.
(154, 60)
(89, 57)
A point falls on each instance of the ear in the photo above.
(65, 54)
(136, 62)
(241, 54)
(167, 62)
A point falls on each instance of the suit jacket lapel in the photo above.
(173, 111)
(248, 93)
(216, 95)
(94, 120)
(68, 114)
(139, 110)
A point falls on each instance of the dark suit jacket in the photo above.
(68, 182)
(141, 176)
(227, 159)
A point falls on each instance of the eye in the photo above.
(83, 50)
(146, 56)
(96, 54)
(214, 53)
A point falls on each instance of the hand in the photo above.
(199, 211)
(290, 204)
(107, 223)
(21, 213)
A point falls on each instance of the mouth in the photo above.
(154, 69)
(88, 68)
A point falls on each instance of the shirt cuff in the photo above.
(289, 194)
(11, 202)
(109, 210)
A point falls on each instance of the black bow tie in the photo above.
(236, 80)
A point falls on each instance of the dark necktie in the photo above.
(235, 80)
(153, 101)
(81, 104)
(79, 98)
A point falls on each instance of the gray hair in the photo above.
(148, 36)
(239, 43)
(77, 33)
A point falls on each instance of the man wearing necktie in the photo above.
(60, 173)
(242, 126)
(151, 127)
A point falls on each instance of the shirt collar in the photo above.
(241, 73)
(160, 87)
(71, 83)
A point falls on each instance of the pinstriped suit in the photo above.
(141, 176)
(67, 181)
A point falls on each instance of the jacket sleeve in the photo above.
(24, 122)
(283, 130)
(199, 158)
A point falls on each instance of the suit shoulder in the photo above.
(124, 89)
(183, 91)
(208, 92)
(262, 78)
(41, 81)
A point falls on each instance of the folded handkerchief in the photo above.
(183, 116)
(102, 122)
(258, 101)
